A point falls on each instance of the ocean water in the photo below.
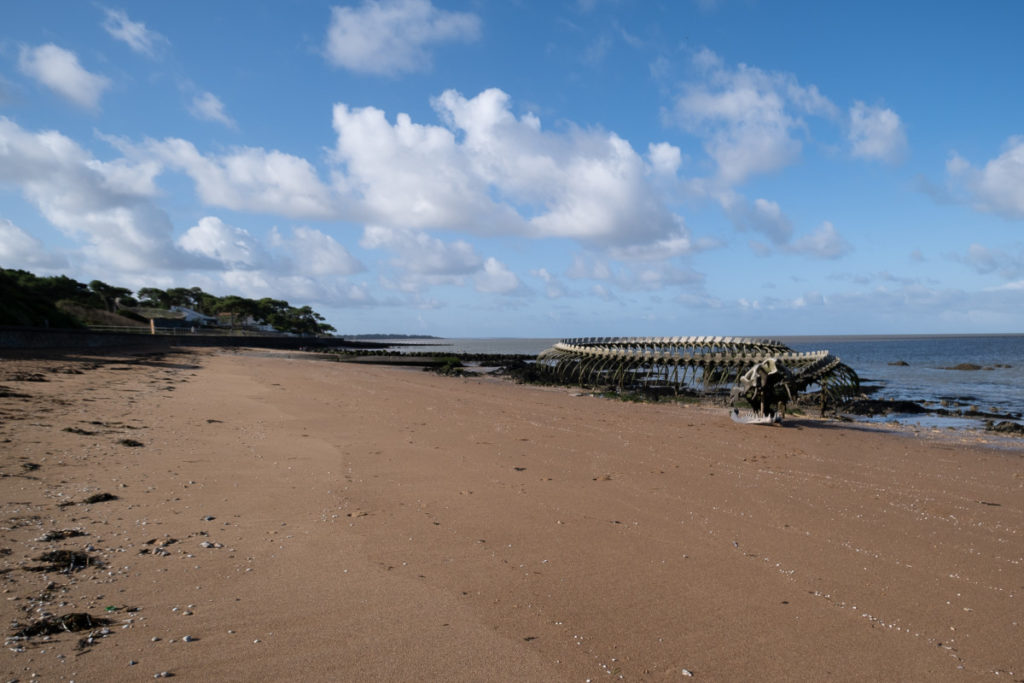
(999, 387)
(926, 377)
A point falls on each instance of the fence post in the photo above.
(152, 326)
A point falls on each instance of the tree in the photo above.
(108, 295)
(154, 298)
(24, 304)
(239, 307)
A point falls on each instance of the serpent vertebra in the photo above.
(693, 363)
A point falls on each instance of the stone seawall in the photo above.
(29, 338)
(24, 339)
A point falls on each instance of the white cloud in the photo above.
(490, 172)
(553, 289)
(233, 247)
(420, 253)
(59, 70)
(411, 175)
(588, 268)
(257, 284)
(811, 298)
(495, 278)
(746, 116)
(825, 243)
(18, 249)
(307, 265)
(83, 196)
(307, 252)
(664, 158)
(248, 178)
(134, 33)
(876, 133)
(315, 253)
(208, 107)
(422, 259)
(669, 247)
(761, 215)
(999, 186)
(388, 37)
(656, 276)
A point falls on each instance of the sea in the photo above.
(898, 367)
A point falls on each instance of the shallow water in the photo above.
(999, 388)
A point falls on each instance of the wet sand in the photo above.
(300, 519)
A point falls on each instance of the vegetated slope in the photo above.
(97, 316)
(20, 305)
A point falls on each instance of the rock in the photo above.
(1005, 427)
(876, 407)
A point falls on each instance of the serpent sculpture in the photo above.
(766, 373)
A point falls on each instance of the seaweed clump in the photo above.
(66, 623)
(64, 561)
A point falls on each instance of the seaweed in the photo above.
(66, 623)
(64, 561)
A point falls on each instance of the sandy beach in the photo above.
(276, 518)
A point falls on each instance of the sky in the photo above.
(467, 168)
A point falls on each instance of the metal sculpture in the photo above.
(765, 373)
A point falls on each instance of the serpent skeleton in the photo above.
(764, 372)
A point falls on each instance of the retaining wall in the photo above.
(28, 338)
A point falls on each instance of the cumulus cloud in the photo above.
(422, 259)
(665, 159)
(18, 249)
(998, 187)
(761, 215)
(496, 278)
(59, 70)
(824, 243)
(553, 289)
(317, 253)
(233, 247)
(637, 272)
(491, 172)
(247, 178)
(677, 244)
(876, 133)
(747, 117)
(388, 37)
(208, 107)
(133, 33)
(307, 264)
(106, 202)
(257, 284)
(411, 175)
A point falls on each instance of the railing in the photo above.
(183, 331)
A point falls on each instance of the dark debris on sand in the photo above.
(94, 498)
(64, 561)
(66, 623)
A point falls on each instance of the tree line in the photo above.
(28, 299)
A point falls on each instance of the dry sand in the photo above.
(348, 522)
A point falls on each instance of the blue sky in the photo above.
(530, 169)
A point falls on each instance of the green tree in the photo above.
(240, 308)
(154, 298)
(107, 295)
(28, 300)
